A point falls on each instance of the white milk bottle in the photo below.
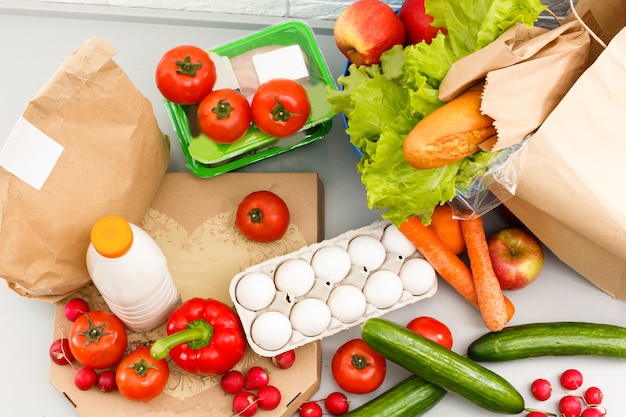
(129, 269)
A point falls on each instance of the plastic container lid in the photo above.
(111, 236)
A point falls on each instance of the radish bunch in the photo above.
(336, 404)
(586, 403)
(252, 391)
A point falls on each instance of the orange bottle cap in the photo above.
(111, 236)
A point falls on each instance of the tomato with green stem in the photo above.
(98, 339)
(224, 115)
(185, 74)
(280, 107)
(139, 377)
(262, 216)
(357, 368)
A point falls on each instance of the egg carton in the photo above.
(279, 312)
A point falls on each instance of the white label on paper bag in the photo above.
(30, 154)
(287, 62)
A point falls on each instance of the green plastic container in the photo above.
(206, 158)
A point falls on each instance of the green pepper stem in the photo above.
(197, 335)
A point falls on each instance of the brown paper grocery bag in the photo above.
(569, 194)
(88, 145)
(525, 68)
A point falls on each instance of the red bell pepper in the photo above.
(205, 337)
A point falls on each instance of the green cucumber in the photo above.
(413, 397)
(442, 366)
(549, 339)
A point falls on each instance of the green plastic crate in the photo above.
(206, 158)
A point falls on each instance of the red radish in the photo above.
(106, 381)
(245, 404)
(571, 379)
(337, 403)
(593, 412)
(570, 406)
(285, 360)
(85, 378)
(593, 396)
(60, 352)
(75, 308)
(541, 389)
(269, 397)
(255, 378)
(310, 409)
(536, 414)
(232, 382)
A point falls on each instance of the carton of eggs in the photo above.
(330, 286)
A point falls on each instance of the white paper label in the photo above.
(30, 154)
(225, 75)
(287, 62)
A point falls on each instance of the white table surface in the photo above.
(36, 38)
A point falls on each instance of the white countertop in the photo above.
(37, 38)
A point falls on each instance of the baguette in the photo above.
(449, 134)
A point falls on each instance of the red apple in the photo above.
(367, 28)
(516, 256)
(417, 23)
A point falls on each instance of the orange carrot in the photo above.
(491, 301)
(448, 228)
(447, 264)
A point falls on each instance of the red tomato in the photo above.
(432, 329)
(280, 107)
(141, 378)
(224, 115)
(357, 368)
(98, 339)
(185, 74)
(262, 216)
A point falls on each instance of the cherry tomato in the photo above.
(280, 107)
(262, 216)
(357, 368)
(432, 329)
(185, 74)
(98, 339)
(139, 377)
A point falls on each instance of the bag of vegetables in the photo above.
(384, 104)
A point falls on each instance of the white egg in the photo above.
(367, 251)
(331, 264)
(295, 277)
(271, 330)
(347, 303)
(310, 316)
(383, 289)
(417, 275)
(394, 241)
(255, 291)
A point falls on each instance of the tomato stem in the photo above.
(141, 367)
(94, 333)
(256, 215)
(187, 67)
(359, 362)
(280, 112)
(197, 335)
(223, 109)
